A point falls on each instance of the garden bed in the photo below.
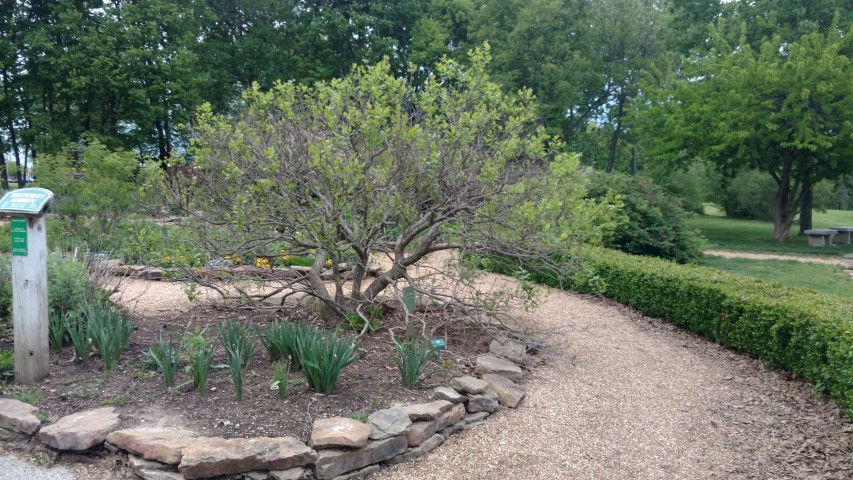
(137, 389)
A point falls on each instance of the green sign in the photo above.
(409, 298)
(19, 237)
(26, 201)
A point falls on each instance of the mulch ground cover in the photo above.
(138, 391)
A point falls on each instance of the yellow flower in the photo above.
(329, 263)
(262, 262)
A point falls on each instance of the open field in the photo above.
(753, 236)
(829, 279)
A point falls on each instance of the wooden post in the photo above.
(29, 305)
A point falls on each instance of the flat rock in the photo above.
(493, 364)
(338, 432)
(289, 474)
(163, 446)
(485, 402)
(11, 436)
(331, 463)
(427, 411)
(512, 350)
(208, 457)
(80, 431)
(450, 395)
(389, 422)
(159, 475)
(417, 452)
(363, 473)
(419, 432)
(468, 384)
(256, 475)
(18, 417)
(138, 463)
(509, 393)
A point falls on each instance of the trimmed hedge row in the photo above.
(804, 332)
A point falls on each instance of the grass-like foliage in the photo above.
(280, 340)
(109, 330)
(281, 374)
(201, 360)
(57, 328)
(324, 355)
(167, 356)
(7, 365)
(239, 347)
(80, 339)
(411, 358)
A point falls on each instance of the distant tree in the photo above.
(785, 109)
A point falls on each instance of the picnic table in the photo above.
(843, 235)
(821, 237)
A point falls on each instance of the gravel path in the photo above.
(845, 262)
(12, 468)
(626, 396)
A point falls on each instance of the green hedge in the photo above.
(799, 330)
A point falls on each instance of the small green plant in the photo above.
(7, 364)
(447, 368)
(355, 322)
(57, 328)
(80, 339)
(192, 292)
(281, 341)
(281, 372)
(195, 340)
(359, 417)
(42, 416)
(239, 348)
(411, 358)
(201, 360)
(119, 400)
(27, 396)
(167, 356)
(324, 356)
(109, 330)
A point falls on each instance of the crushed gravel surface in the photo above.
(843, 261)
(632, 397)
(626, 396)
(11, 467)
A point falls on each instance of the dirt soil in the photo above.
(137, 389)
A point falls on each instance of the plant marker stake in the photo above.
(438, 345)
(29, 280)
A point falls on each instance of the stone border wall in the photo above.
(339, 449)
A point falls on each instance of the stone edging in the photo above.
(339, 448)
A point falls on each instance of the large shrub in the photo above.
(68, 285)
(652, 221)
(95, 188)
(371, 163)
(750, 196)
(800, 330)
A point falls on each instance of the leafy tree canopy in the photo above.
(784, 108)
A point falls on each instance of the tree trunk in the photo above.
(787, 202)
(614, 140)
(634, 168)
(13, 136)
(4, 175)
(806, 209)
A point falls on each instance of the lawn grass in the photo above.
(754, 236)
(829, 279)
